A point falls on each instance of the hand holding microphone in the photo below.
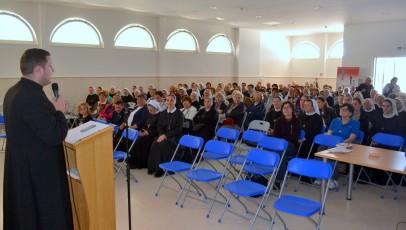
(58, 102)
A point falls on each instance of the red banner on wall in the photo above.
(347, 76)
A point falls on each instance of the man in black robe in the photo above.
(36, 191)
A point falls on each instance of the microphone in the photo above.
(55, 89)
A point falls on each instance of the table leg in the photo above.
(349, 184)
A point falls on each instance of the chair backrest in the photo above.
(259, 125)
(132, 134)
(323, 129)
(302, 135)
(263, 157)
(360, 137)
(327, 140)
(219, 147)
(228, 134)
(273, 143)
(310, 168)
(1, 119)
(190, 141)
(388, 140)
(252, 136)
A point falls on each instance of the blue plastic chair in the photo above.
(218, 150)
(228, 135)
(360, 137)
(246, 188)
(301, 206)
(393, 141)
(325, 140)
(186, 142)
(122, 155)
(2, 135)
(250, 136)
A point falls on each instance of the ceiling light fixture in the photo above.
(220, 19)
(317, 8)
(258, 16)
(273, 23)
(213, 7)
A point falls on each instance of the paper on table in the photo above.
(339, 150)
(82, 131)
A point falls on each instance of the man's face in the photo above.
(118, 108)
(46, 72)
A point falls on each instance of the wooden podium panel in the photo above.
(92, 195)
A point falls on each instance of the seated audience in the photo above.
(220, 103)
(147, 135)
(361, 116)
(287, 127)
(107, 112)
(127, 97)
(92, 99)
(137, 118)
(205, 120)
(235, 111)
(159, 97)
(344, 126)
(170, 123)
(84, 113)
(256, 111)
(312, 124)
(189, 113)
(326, 112)
(194, 96)
(274, 113)
(102, 103)
(388, 122)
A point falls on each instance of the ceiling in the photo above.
(292, 17)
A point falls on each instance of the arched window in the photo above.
(136, 36)
(77, 32)
(181, 40)
(306, 50)
(15, 29)
(220, 43)
(337, 50)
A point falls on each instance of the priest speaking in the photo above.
(36, 191)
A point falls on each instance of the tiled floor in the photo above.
(365, 211)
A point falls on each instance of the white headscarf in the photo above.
(155, 104)
(372, 105)
(281, 99)
(316, 108)
(402, 103)
(394, 110)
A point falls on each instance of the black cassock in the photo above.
(169, 124)
(36, 192)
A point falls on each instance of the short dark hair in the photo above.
(349, 107)
(119, 102)
(187, 98)
(159, 93)
(32, 58)
(142, 96)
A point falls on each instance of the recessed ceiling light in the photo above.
(317, 7)
(272, 23)
(258, 16)
(213, 7)
(294, 23)
(352, 17)
(220, 19)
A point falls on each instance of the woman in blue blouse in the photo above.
(345, 126)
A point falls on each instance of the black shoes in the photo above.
(159, 174)
(151, 172)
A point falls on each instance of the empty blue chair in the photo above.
(186, 143)
(122, 155)
(246, 188)
(250, 136)
(325, 140)
(390, 140)
(218, 150)
(301, 206)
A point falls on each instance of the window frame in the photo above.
(26, 23)
(222, 53)
(119, 33)
(306, 43)
(332, 47)
(76, 19)
(182, 51)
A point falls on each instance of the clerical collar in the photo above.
(311, 113)
(173, 110)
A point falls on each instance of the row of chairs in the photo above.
(259, 161)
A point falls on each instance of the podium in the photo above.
(89, 152)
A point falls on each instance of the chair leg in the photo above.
(225, 208)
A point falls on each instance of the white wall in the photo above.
(364, 42)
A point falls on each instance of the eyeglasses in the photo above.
(287, 107)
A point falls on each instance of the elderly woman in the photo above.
(147, 135)
(101, 103)
(169, 128)
(127, 97)
(206, 94)
(274, 113)
(205, 120)
(236, 111)
(194, 95)
(220, 103)
(189, 113)
(312, 124)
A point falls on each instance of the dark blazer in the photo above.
(140, 117)
(209, 120)
(237, 114)
(255, 112)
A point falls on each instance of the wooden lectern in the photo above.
(91, 180)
